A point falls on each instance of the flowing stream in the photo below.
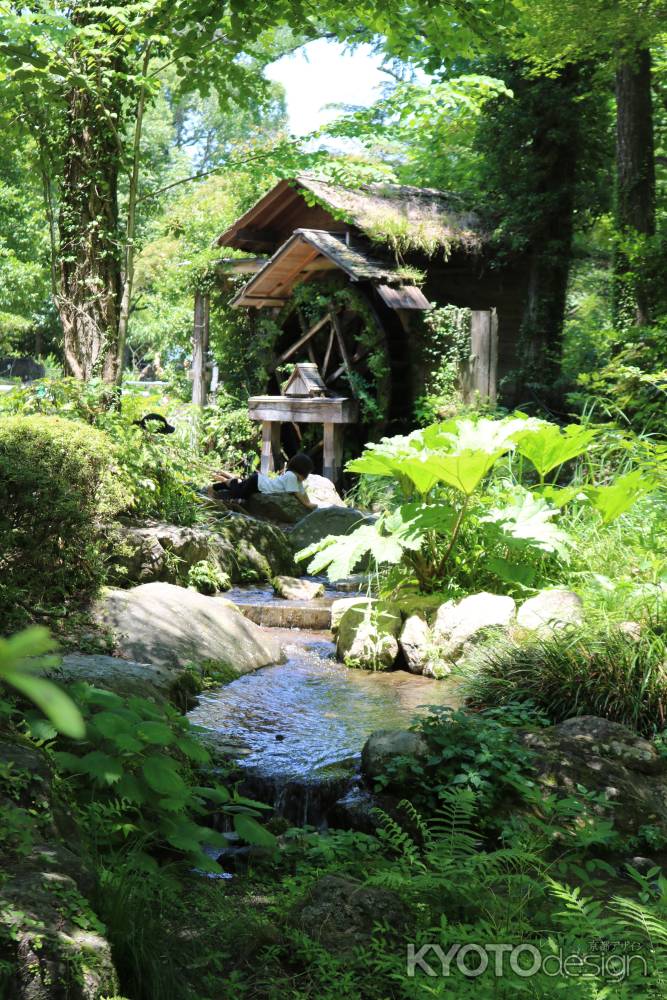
(296, 729)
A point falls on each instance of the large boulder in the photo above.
(340, 913)
(550, 609)
(294, 589)
(384, 745)
(240, 547)
(368, 637)
(284, 508)
(172, 627)
(50, 934)
(281, 508)
(327, 521)
(608, 759)
(126, 678)
(457, 625)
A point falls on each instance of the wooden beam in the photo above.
(361, 353)
(241, 265)
(287, 281)
(343, 352)
(303, 339)
(327, 356)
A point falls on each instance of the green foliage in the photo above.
(454, 516)
(136, 782)
(208, 578)
(229, 435)
(20, 658)
(159, 471)
(632, 387)
(583, 670)
(446, 348)
(480, 752)
(57, 481)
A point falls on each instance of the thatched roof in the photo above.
(411, 217)
(398, 216)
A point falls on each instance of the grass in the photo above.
(585, 670)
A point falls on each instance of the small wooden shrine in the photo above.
(305, 400)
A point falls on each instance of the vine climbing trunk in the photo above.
(635, 170)
(89, 292)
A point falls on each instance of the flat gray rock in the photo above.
(171, 626)
(294, 589)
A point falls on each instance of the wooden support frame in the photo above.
(333, 451)
(270, 458)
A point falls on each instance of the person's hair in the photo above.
(301, 464)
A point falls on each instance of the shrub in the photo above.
(480, 752)
(578, 671)
(58, 479)
(135, 776)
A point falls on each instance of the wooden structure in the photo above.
(305, 400)
(401, 249)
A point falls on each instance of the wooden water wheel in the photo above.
(348, 347)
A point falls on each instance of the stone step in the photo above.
(314, 616)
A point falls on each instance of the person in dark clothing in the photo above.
(290, 481)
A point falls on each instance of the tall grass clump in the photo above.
(583, 670)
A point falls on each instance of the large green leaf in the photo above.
(104, 769)
(341, 554)
(529, 520)
(55, 704)
(464, 470)
(155, 732)
(547, 446)
(253, 832)
(411, 521)
(20, 657)
(162, 775)
(614, 500)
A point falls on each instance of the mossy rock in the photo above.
(368, 636)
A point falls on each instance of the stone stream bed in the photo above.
(296, 729)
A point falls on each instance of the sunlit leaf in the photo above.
(547, 446)
(614, 500)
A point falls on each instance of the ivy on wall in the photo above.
(445, 351)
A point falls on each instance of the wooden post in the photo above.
(333, 451)
(480, 375)
(200, 349)
(270, 446)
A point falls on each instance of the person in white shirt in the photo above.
(290, 481)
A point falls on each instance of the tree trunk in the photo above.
(89, 291)
(554, 151)
(635, 166)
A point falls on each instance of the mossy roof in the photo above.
(395, 215)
